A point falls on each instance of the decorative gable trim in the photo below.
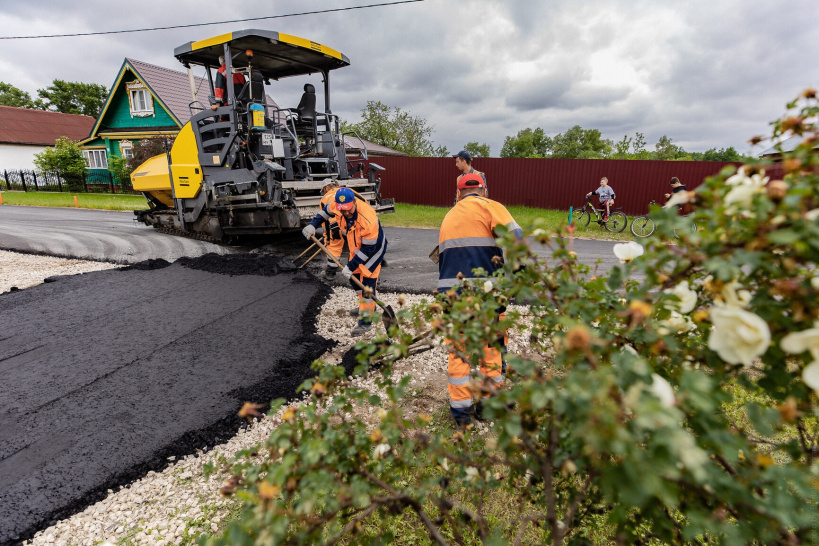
(126, 67)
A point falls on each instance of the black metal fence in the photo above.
(97, 181)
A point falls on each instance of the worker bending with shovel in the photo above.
(333, 240)
(467, 242)
(359, 223)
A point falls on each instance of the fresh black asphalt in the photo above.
(104, 375)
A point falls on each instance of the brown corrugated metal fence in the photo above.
(541, 183)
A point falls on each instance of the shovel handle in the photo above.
(355, 280)
(305, 252)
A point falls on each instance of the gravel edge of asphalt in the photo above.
(177, 504)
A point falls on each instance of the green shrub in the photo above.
(613, 424)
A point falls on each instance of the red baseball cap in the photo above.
(471, 180)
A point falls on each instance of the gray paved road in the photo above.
(114, 236)
(100, 235)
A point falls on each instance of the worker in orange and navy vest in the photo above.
(220, 85)
(366, 241)
(467, 242)
(333, 240)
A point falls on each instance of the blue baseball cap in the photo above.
(463, 154)
(345, 199)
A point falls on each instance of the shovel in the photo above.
(388, 317)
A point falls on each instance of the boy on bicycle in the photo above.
(605, 194)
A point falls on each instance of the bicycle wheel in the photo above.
(581, 218)
(642, 226)
(617, 222)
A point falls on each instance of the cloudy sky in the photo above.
(707, 73)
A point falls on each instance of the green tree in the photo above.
(65, 159)
(579, 143)
(12, 96)
(723, 154)
(671, 400)
(73, 98)
(477, 150)
(622, 147)
(638, 146)
(666, 150)
(394, 128)
(527, 143)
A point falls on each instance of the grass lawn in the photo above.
(105, 201)
(420, 216)
(415, 216)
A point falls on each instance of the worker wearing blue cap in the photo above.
(359, 223)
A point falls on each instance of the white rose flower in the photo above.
(739, 178)
(799, 342)
(663, 390)
(810, 375)
(738, 336)
(812, 215)
(626, 252)
(679, 323)
(472, 474)
(734, 297)
(381, 450)
(688, 297)
(679, 198)
(744, 189)
(488, 286)
(742, 196)
(814, 282)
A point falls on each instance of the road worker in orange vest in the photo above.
(359, 223)
(467, 242)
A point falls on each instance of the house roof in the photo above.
(787, 145)
(41, 127)
(356, 144)
(170, 87)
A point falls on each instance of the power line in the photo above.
(208, 24)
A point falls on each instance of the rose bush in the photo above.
(671, 400)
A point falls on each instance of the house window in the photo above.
(140, 99)
(96, 159)
(126, 147)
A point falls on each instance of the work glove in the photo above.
(346, 272)
(308, 231)
(319, 232)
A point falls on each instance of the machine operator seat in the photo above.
(253, 90)
(307, 106)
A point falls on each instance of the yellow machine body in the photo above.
(153, 176)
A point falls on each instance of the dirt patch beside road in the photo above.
(106, 375)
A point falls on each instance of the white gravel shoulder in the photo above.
(26, 270)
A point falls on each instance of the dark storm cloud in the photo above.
(708, 74)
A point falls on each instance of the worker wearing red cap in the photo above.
(467, 242)
(359, 223)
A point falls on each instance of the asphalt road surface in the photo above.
(114, 236)
(104, 375)
(100, 235)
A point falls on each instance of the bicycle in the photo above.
(616, 222)
(643, 226)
